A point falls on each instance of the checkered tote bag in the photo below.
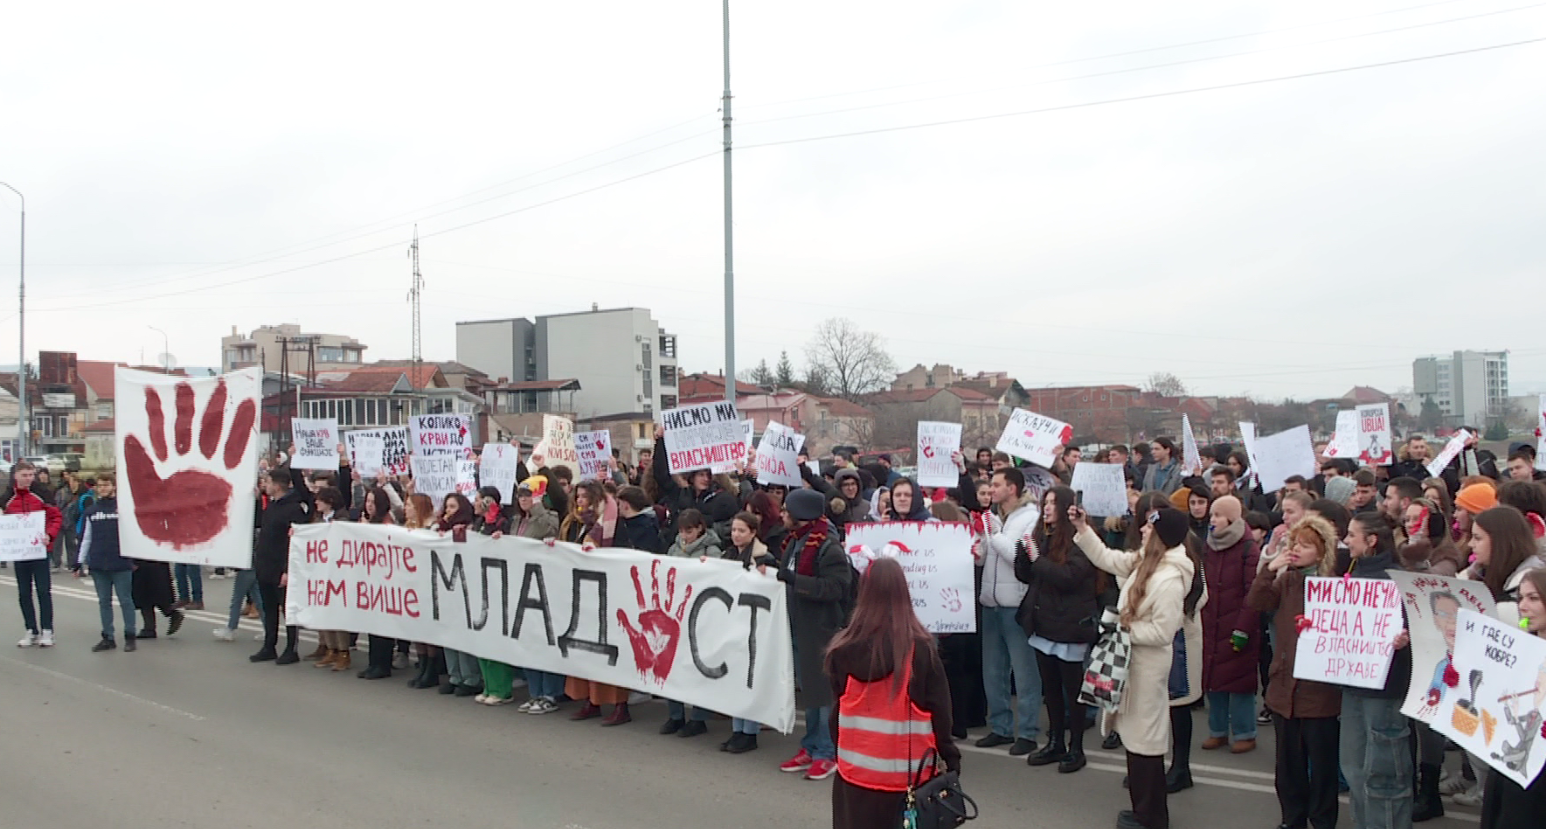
(1105, 678)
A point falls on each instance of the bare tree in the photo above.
(1166, 384)
(853, 362)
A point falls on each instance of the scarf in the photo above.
(1227, 537)
(491, 517)
(811, 537)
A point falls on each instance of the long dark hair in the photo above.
(1061, 541)
(383, 506)
(463, 515)
(761, 504)
(884, 624)
(1512, 542)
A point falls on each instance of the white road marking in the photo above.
(97, 686)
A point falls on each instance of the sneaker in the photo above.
(799, 762)
(400, 661)
(128, 644)
(28, 641)
(525, 707)
(105, 645)
(225, 634)
(542, 705)
(1472, 796)
(1264, 718)
(490, 699)
(46, 639)
(1451, 785)
(821, 770)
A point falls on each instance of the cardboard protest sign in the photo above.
(1433, 604)
(498, 467)
(778, 456)
(1344, 439)
(23, 537)
(937, 557)
(1353, 627)
(711, 634)
(593, 451)
(1283, 455)
(1499, 697)
(936, 442)
(1451, 451)
(1033, 437)
(434, 475)
(1191, 458)
(1374, 447)
(375, 452)
(557, 446)
(467, 477)
(1104, 488)
(441, 434)
(187, 461)
(708, 436)
(316, 443)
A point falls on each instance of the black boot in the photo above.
(128, 643)
(1428, 803)
(420, 678)
(106, 644)
(1074, 760)
(1053, 752)
(1178, 779)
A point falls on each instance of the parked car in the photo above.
(63, 462)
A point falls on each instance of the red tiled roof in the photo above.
(536, 385)
(100, 426)
(922, 395)
(364, 381)
(843, 408)
(699, 385)
(98, 375)
(424, 377)
(1365, 395)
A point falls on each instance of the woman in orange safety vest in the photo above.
(893, 703)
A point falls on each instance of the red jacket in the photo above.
(24, 501)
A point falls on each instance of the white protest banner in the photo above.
(937, 557)
(1344, 440)
(814, 467)
(467, 477)
(497, 467)
(1191, 459)
(1033, 437)
(1540, 434)
(778, 456)
(374, 452)
(316, 443)
(1283, 455)
(1374, 446)
(441, 434)
(1104, 488)
(23, 537)
(1353, 627)
(709, 435)
(1451, 451)
(594, 451)
(1433, 604)
(187, 462)
(1499, 697)
(434, 475)
(936, 443)
(710, 634)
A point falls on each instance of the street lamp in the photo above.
(166, 349)
(21, 325)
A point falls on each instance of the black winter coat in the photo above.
(1062, 604)
(271, 553)
(641, 532)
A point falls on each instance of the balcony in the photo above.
(668, 346)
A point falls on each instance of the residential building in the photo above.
(1470, 387)
(371, 396)
(825, 422)
(919, 377)
(897, 414)
(708, 388)
(622, 359)
(263, 347)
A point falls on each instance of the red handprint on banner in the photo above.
(654, 641)
(192, 505)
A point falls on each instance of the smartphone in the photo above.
(1079, 499)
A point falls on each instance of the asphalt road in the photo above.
(186, 732)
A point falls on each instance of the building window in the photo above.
(649, 408)
(667, 376)
(649, 384)
(667, 401)
(668, 346)
(644, 354)
(330, 354)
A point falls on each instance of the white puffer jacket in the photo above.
(1000, 588)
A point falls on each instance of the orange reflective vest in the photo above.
(882, 736)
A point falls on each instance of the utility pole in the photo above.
(413, 297)
(724, 109)
(22, 432)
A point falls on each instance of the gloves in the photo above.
(1238, 640)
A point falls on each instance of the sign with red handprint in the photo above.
(937, 557)
(592, 453)
(936, 442)
(1034, 437)
(187, 466)
(22, 537)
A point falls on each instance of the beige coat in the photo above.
(1143, 718)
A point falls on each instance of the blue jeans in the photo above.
(243, 587)
(189, 577)
(1377, 760)
(30, 574)
(1230, 713)
(122, 583)
(544, 684)
(462, 668)
(740, 726)
(678, 711)
(1005, 649)
(817, 741)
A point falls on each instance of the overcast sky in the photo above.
(194, 167)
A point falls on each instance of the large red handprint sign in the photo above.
(655, 639)
(186, 453)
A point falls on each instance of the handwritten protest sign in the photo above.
(316, 443)
(1354, 623)
(1451, 451)
(1033, 437)
(378, 451)
(1283, 455)
(594, 453)
(1374, 446)
(708, 436)
(434, 475)
(1191, 459)
(711, 634)
(557, 446)
(441, 434)
(778, 456)
(1104, 488)
(936, 442)
(467, 477)
(1344, 439)
(497, 467)
(1433, 604)
(937, 557)
(1499, 696)
(1038, 481)
(23, 537)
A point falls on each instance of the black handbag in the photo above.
(939, 802)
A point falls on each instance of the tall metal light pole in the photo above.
(730, 383)
(166, 349)
(21, 325)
